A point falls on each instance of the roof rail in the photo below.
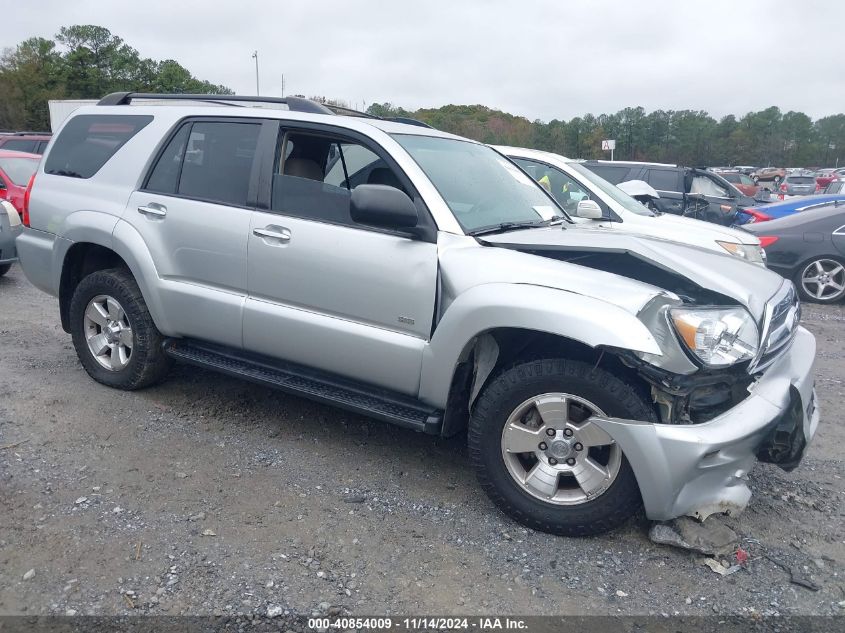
(408, 121)
(296, 104)
(342, 110)
(31, 134)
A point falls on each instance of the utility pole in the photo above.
(255, 57)
(283, 84)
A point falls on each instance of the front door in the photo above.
(194, 215)
(324, 291)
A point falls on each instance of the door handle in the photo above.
(282, 235)
(156, 211)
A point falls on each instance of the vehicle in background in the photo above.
(777, 210)
(422, 279)
(794, 185)
(570, 182)
(825, 176)
(742, 182)
(687, 191)
(16, 168)
(10, 228)
(745, 169)
(836, 186)
(28, 142)
(809, 249)
(769, 174)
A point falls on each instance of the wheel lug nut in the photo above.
(567, 432)
(552, 461)
(578, 446)
(570, 461)
(550, 432)
(543, 446)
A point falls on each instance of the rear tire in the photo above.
(817, 280)
(567, 509)
(4, 269)
(113, 333)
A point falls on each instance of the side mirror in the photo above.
(383, 206)
(589, 209)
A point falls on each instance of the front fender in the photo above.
(499, 305)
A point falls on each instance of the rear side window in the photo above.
(208, 161)
(20, 145)
(663, 179)
(88, 141)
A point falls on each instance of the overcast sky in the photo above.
(541, 59)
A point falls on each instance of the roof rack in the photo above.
(31, 134)
(296, 104)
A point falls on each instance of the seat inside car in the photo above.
(303, 168)
(384, 176)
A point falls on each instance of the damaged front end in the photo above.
(733, 382)
(717, 422)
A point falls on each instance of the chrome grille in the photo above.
(783, 312)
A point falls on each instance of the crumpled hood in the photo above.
(748, 284)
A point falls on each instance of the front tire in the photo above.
(4, 269)
(113, 333)
(542, 461)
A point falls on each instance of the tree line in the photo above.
(82, 62)
(689, 137)
(88, 61)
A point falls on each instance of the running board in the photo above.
(310, 383)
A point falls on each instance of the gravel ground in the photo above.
(209, 495)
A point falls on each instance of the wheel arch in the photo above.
(488, 328)
(121, 247)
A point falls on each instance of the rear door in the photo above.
(193, 211)
(669, 183)
(324, 291)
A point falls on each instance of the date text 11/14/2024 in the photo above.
(417, 623)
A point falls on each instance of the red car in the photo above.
(825, 176)
(29, 142)
(742, 182)
(16, 168)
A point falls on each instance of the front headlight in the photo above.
(718, 337)
(749, 252)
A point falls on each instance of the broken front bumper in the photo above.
(702, 469)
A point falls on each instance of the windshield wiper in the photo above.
(513, 226)
(65, 172)
(504, 226)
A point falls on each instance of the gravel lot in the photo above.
(211, 495)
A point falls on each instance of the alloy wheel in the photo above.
(556, 453)
(824, 279)
(108, 332)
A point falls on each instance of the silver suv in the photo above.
(426, 280)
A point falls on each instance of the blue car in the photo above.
(777, 210)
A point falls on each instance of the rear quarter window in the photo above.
(88, 141)
(20, 145)
(613, 175)
(663, 179)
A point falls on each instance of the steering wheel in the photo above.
(480, 204)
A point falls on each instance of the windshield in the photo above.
(19, 170)
(482, 188)
(611, 191)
